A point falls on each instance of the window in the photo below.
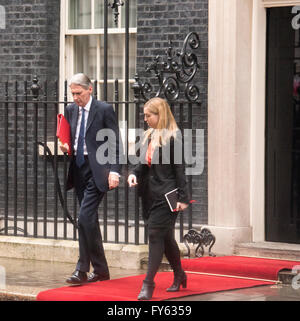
(82, 45)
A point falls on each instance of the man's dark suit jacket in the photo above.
(163, 176)
(101, 116)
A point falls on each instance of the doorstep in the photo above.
(275, 250)
(124, 256)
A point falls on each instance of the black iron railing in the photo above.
(33, 197)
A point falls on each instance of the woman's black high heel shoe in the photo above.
(179, 279)
(146, 291)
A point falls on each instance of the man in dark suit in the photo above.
(91, 173)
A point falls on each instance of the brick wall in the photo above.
(30, 41)
(29, 45)
(161, 21)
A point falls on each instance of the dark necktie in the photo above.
(80, 145)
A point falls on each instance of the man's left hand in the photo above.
(113, 180)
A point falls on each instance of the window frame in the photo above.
(67, 44)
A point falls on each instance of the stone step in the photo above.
(287, 277)
(275, 250)
(164, 265)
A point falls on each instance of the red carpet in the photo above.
(127, 289)
(242, 266)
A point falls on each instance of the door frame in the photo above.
(258, 114)
(258, 122)
(242, 215)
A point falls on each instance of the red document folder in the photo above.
(63, 131)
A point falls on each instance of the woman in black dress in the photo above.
(160, 171)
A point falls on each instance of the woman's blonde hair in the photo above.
(166, 126)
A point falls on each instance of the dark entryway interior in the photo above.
(283, 128)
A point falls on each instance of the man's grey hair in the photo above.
(81, 80)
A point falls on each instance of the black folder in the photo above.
(172, 199)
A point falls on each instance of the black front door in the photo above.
(283, 128)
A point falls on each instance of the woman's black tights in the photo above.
(162, 241)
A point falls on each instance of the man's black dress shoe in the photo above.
(77, 277)
(94, 277)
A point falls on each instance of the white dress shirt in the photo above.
(87, 108)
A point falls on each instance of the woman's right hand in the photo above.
(132, 181)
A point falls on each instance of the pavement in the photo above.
(22, 280)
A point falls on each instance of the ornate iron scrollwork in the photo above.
(35, 88)
(203, 238)
(115, 6)
(177, 70)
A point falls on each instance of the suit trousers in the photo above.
(91, 249)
